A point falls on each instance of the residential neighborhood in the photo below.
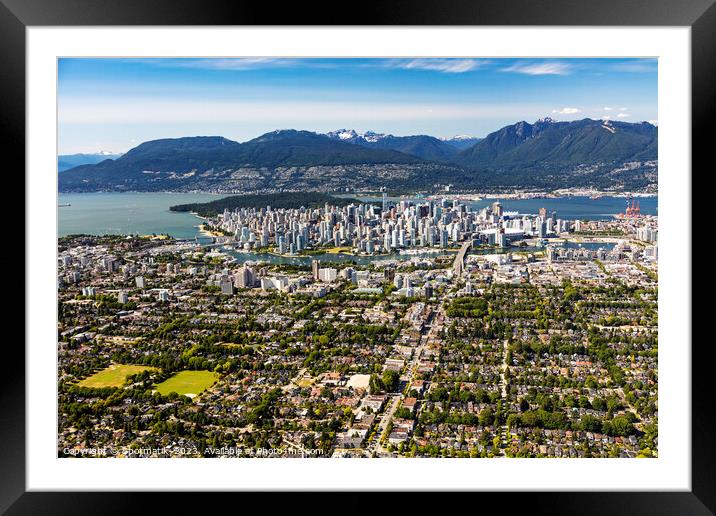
(441, 332)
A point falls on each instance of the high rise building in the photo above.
(497, 209)
(227, 287)
(428, 291)
(541, 229)
(500, 238)
(646, 234)
(244, 277)
(328, 274)
(315, 267)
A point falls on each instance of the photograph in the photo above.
(357, 257)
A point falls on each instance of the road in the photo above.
(376, 446)
(503, 370)
(294, 381)
(503, 389)
(459, 263)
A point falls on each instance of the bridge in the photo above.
(207, 245)
(458, 266)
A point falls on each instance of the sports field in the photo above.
(336, 250)
(113, 376)
(187, 383)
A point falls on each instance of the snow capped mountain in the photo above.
(420, 145)
(458, 137)
(461, 141)
(353, 136)
(539, 155)
(372, 137)
(606, 124)
(342, 134)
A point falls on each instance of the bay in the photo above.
(147, 213)
(118, 213)
(567, 208)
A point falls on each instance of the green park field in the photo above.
(113, 376)
(187, 383)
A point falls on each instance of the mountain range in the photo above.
(422, 146)
(545, 155)
(563, 143)
(461, 141)
(68, 161)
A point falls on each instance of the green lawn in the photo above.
(113, 376)
(187, 382)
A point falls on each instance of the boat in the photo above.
(63, 205)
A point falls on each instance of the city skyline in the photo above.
(319, 326)
(115, 104)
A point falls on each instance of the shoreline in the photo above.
(195, 223)
(512, 194)
(205, 232)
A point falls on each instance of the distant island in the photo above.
(68, 161)
(288, 200)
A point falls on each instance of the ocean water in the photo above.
(567, 208)
(148, 213)
(142, 213)
(572, 208)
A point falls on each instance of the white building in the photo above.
(646, 234)
(328, 275)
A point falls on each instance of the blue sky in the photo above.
(114, 104)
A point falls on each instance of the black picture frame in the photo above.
(700, 15)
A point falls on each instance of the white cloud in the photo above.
(147, 110)
(607, 108)
(623, 109)
(546, 68)
(446, 65)
(567, 111)
(622, 115)
(231, 63)
(438, 65)
(636, 66)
